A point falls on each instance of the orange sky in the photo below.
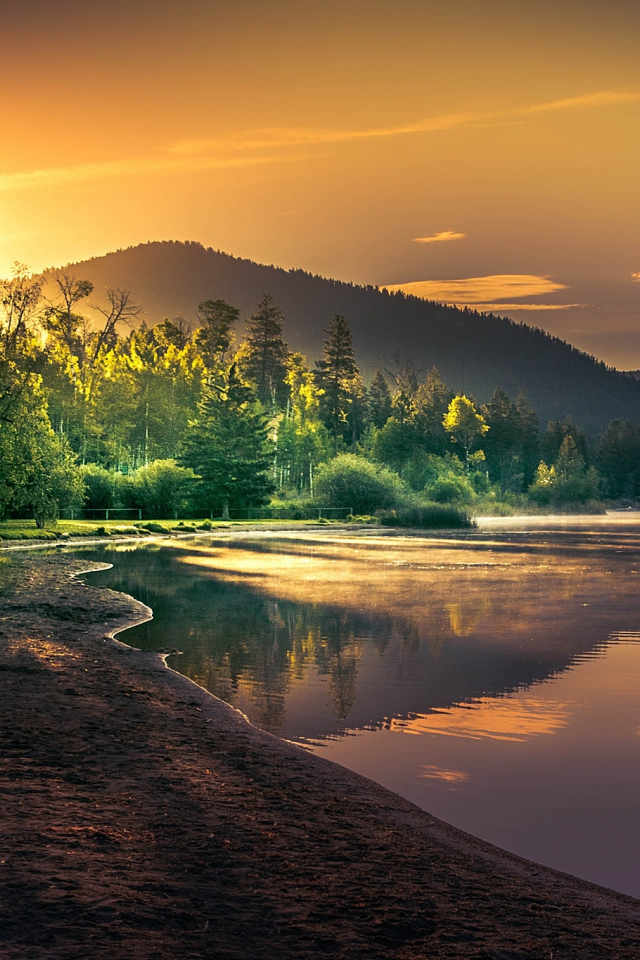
(487, 151)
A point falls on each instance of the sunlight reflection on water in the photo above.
(491, 678)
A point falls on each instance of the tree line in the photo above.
(108, 411)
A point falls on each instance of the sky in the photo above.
(481, 152)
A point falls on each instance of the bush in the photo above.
(351, 481)
(152, 527)
(99, 486)
(550, 488)
(430, 516)
(162, 489)
(450, 489)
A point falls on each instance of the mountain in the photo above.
(474, 352)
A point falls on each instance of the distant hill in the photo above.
(474, 352)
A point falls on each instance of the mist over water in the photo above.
(491, 677)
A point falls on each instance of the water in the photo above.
(492, 677)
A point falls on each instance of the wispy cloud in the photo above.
(636, 277)
(481, 289)
(440, 237)
(487, 293)
(282, 137)
(55, 176)
(217, 153)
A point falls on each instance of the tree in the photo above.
(555, 434)
(351, 481)
(464, 424)
(379, 399)
(215, 336)
(302, 440)
(337, 376)
(431, 402)
(618, 458)
(503, 445)
(20, 303)
(568, 480)
(263, 356)
(227, 447)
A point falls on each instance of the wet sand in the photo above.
(143, 818)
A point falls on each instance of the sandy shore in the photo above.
(142, 818)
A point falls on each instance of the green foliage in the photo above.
(228, 447)
(430, 516)
(162, 489)
(431, 402)
(379, 399)
(262, 360)
(395, 444)
(618, 459)
(464, 423)
(337, 376)
(567, 481)
(511, 445)
(100, 487)
(152, 526)
(352, 481)
(215, 336)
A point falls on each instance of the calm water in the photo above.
(491, 678)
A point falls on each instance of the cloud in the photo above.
(480, 289)
(440, 237)
(493, 293)
(55, 176)
(282, 137)
(212, 153)
(636, 277)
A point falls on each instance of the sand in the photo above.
(143, 818)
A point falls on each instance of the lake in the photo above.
(491, 677)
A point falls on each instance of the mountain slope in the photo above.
(474, 352)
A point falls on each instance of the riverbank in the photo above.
(143, 818)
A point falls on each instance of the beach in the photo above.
(144, 818)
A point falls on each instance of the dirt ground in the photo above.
(142, 818)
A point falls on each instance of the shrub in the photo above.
(152, 527)
(450, 489)
(99, 486)
(430, 516)
(162, 489)
(352, 481)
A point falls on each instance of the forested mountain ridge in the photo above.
(474, 352)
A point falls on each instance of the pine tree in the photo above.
(337, 376)
(215, 336)
(264, 354)
(227, 447)
(431, 401)
(379, 399)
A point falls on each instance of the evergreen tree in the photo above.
(431, 402)
(618, 459)
(227, 447)
(263, 356)
(337, 376)
(529, 438)
(215, 336)
(379, 399)
(555, 434)
(502, 446)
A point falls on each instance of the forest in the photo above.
(192, 420)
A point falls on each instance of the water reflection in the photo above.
(490, 678)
